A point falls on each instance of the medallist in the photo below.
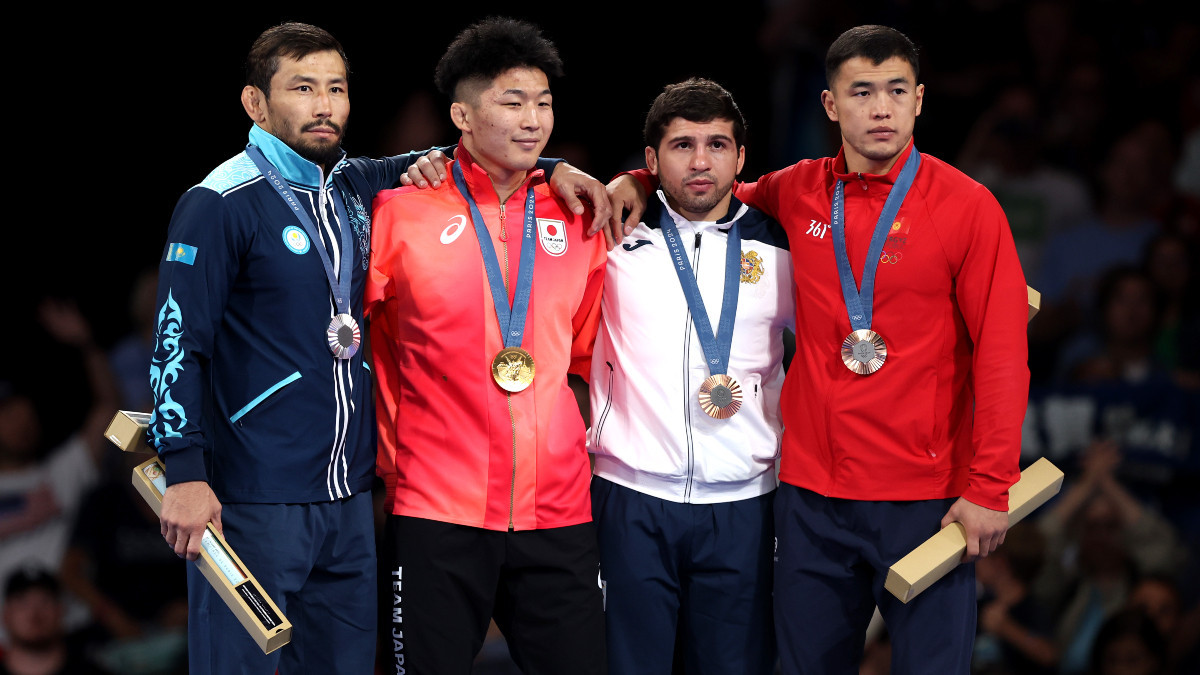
(481, 298)
(685, 387)
(262, 409)
(903, 404)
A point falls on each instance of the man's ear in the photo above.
(459, 115)
(652, 160)
(255, 103)
(830, 106)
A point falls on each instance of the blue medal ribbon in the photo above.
(716, 348)
(340, 285)
(859, 304)
(512, 322)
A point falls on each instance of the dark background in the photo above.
(125, 111)
(170, 112)
(138, 108)
(112, 114)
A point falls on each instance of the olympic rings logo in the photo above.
(890, 259)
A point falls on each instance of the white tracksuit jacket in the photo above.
(648, 431)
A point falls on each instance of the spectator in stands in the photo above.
(1157, 595)
(115, 548)
(1073, 261)
(33, 619)
(1004, 151)
(1100, 539)
(1129, 643)
(1015, 628)
(1170, 262)
(129, 356)
(40, 487)
(1122, 347)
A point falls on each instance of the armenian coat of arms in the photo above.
(752, 267)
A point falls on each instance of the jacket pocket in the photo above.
(263, 397)
(608, 394)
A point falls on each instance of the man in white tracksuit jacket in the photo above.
(684, 388)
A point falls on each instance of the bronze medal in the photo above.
(512, 368)
(864, 351)
(720, 396)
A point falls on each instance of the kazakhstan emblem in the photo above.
(752, 267)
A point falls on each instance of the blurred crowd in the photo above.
(1082, 118)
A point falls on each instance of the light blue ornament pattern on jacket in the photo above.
(165, 366)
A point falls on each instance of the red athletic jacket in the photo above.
(453, 445)
(942, 417)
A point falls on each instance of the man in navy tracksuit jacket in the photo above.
(262, 397)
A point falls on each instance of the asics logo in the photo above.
(457, 225)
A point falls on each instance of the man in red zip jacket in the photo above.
(482, 298)
(903, 405)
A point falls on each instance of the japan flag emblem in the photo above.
(553, 236)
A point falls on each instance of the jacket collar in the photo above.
(656, 206)
(480, 183)
(295, 169)
(840, 173)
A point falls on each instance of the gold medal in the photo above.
(512, 368)
(864, 351)
(720, 396)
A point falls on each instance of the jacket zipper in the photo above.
(324, 218)
(512, 420)
(687, 383)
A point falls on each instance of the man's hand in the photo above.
(65, 323)
(985, 528)
(627, 197)
(40, 506)
(429, 169)
(993, 616)
(187, 509)
(1100, 460)
(571, 184)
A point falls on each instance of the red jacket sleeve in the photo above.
(992, 297)
(379, 305)
(586, 321)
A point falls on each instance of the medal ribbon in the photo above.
(716, 349)
(512, 322)
(859, 303)
(340, 285)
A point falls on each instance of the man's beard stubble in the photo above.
(320, 154)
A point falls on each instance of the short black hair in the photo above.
(871, 41)
(1024, 548)
(1109, 284)
(490, 47)
(291, 40)
(696, 100)
(30, 576)
(1129, 622)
